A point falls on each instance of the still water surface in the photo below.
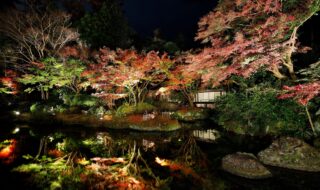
(201, 150)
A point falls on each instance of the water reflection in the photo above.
(209, 135)
(76, 158)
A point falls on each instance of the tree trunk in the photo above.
(42, 93)
(288, 63)
(310, 121)
(190, 100)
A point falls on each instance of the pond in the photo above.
(78, 157)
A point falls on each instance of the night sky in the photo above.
(172, 17)
(180, 17)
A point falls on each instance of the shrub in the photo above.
(81, 100)
(259, 112)
(140, 108)
(98, 111)
(191, 114)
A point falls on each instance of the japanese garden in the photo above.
(88, 101)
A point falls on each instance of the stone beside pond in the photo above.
(245, 165)
(291, 153)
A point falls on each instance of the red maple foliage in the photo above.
(245, 35)
(78, 51)
(182, 78)
(303, 93)
(9, 83)
(126, 73)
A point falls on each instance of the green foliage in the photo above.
(140, 108)
(289, 5)
(166, 106)
(144, 107)
(97, 110)
(37, 108)
(5, 143)
(107, 27)
(49, 174)
(47, 108)
(4, 90)
(53, 73)
(310, 74)
(81, 100)
(191, 114)
(162, 45)
(68, 145)
(98, 148)
(262, 78)
(34, 107)
(259, 112)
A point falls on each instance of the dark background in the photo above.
(174, 18)
(178, 19)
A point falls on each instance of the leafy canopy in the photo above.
(53, 73)
(245, 35)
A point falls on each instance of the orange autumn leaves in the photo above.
(7, 155)
(8, 84)
(127, 73)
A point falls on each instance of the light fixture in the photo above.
(16, 130)
(16, 112)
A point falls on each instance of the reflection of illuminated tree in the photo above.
(67, 150)
(104, 145)
(42, 146)
(190, 153)
(129, 172)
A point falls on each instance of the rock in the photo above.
(291, 153)
(245, 165)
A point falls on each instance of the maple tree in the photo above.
(305, 92)
(53, 73)
(245, 35)
(126, 73)
(182, 80)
